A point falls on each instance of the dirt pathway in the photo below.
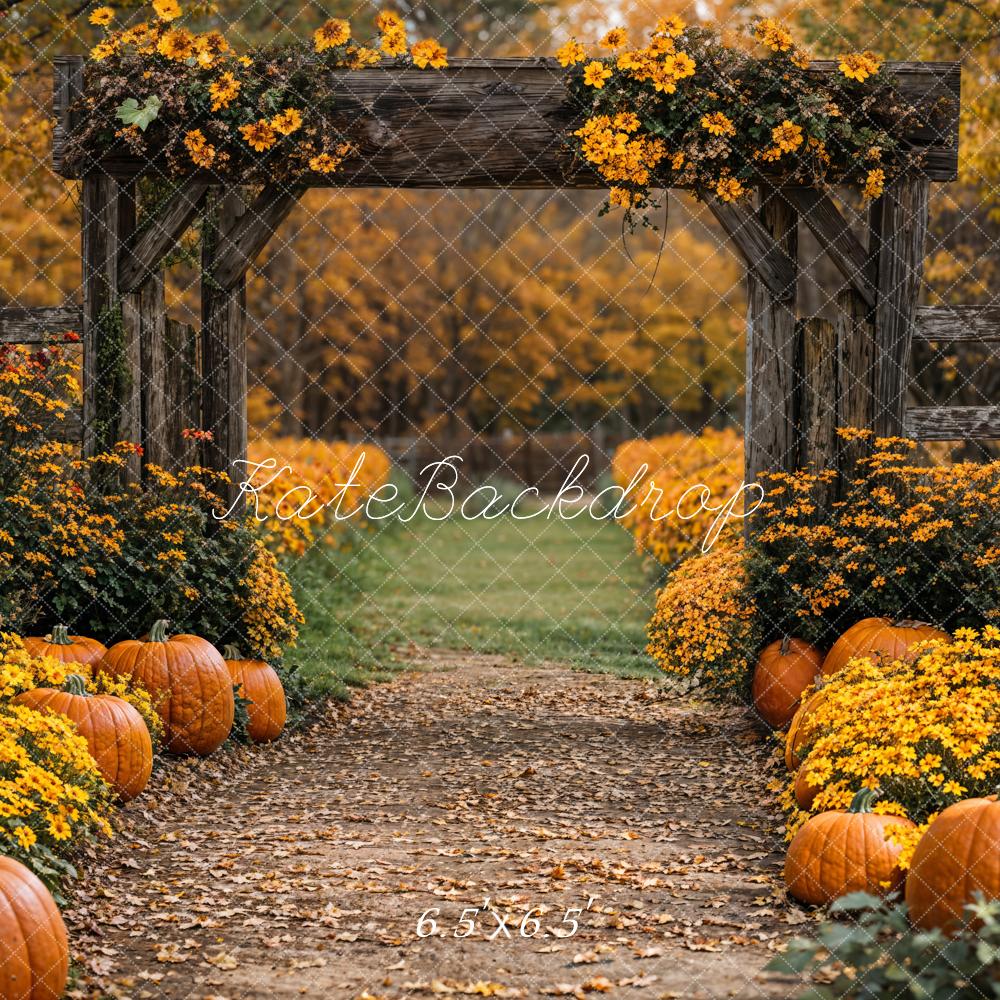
(541, 790)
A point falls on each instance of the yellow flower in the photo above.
(773, 34)
(260, 136)
(387, 20)
(393, 43)
(102, 16)
(860, 65)
(571, 53)
(102, 51)
(616, 38)
(874, 183)
(334, 32)
(167, 10)
(671, 26)
(717, 124)
(787, 136)
(202, 153)
(429, 53)
(729, 189)
(224, 91)
(289, 121)
(178, 45)
(595, 74)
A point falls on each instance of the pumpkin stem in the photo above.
(785, 640)
(231, 652)
(862, 801)
(60, 636)
(76, 684)
(158, 633)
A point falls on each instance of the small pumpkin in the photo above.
(784, 670)
(191, 681)
(805, 791)
(799, 730)
(34, 948)
(893, 640)
(258, 682)
(957, 856)
(115, 732)
(839, 852)
(66, 648)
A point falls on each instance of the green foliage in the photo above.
(142, 116)
(878, 954)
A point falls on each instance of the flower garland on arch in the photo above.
(269, 113)
(686, 110)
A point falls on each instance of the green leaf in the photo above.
(856, 901)
(132, 113)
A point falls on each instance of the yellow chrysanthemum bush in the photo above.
(675, 466)
(207, 107)
(52, 795)
(685, 109)
(926, 734)
(907, 540)
(705, 628)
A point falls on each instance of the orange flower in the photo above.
(259, 136)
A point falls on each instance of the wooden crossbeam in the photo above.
(953, 423)
(958, 324)
(141, 256)
(825, 221)
(36, 326)
(244, 240)
(767, 260)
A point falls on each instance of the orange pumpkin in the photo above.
(805, 791)
(66, 648)
(115, 732)
(784, 670)
(260, 685)
(191, 680)
(839, 852)
(798, 729)
(958, 856)
(34, 949)
(879, 637)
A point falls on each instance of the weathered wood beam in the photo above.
(770, 425)
(953, 423)
(152, 318)
(242, 241)
(182, 389)
(142, 255)
(503, 123)
(856, 405)
(762, 254)
(819, 387)
(67, 88)
(958, 324)
(38, 325)
(898, 231)
(835, 236)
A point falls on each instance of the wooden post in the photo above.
(898, 231)
(819, 380)
(112, 409)
(223, 347)
(183, 393)
(152, 313)
(770, 423)
(856, 364)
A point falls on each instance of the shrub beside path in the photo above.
(303, 869)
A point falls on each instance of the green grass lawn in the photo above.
(542, 589)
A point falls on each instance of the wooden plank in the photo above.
(503, 123)
(856, 362)
(67, 86)
(142, 254)
(770, 423)
(223, 348)
(112, 410)
(818, 415)
(898, 232)
(38, 325)
(958, 324)
(181, 390)
(240, 244)
(828, 225)
(762, 255)
(152, 334)
(953, 423)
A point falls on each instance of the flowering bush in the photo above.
(262, 114)
(705, 626)
(685, 110)
(269, 616)
(51, 793)
(676, 463)
(906, 541)
(309, 467)
(927, 734)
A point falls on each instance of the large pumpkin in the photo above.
(66, 648)
(260, 685)
(115, 732)
(799, 730)
(784, 670)
(34, 949)
(191, 680)
(958, 856)
(879, 637)
(839, 852)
